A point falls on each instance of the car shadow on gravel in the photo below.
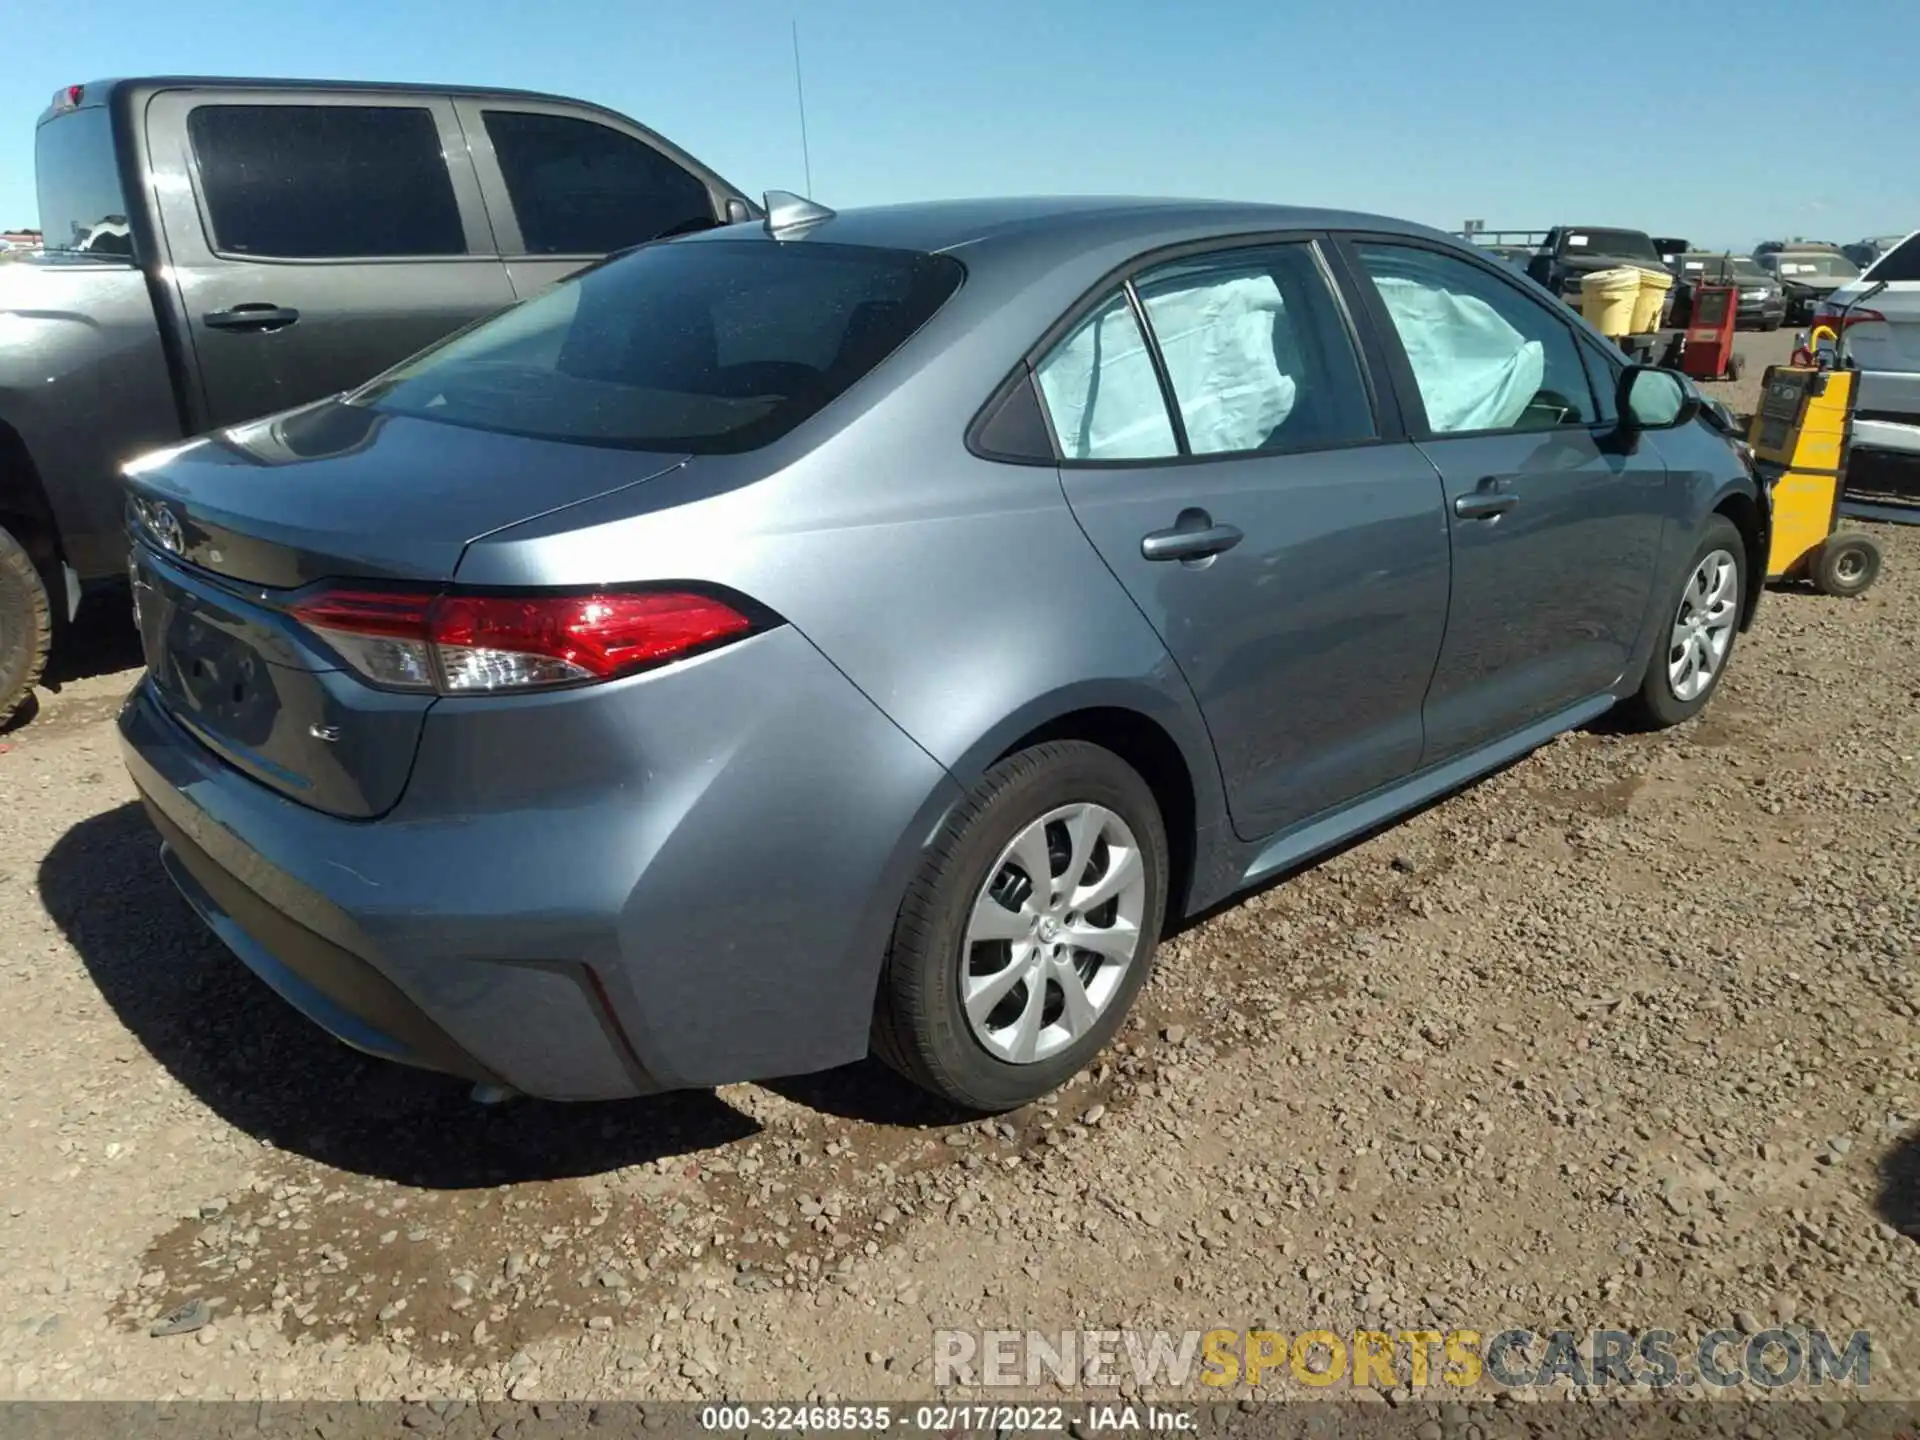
(1899, 1200)
(262, 1068)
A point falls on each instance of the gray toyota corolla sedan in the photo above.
(869, 631)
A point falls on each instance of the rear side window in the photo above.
(81, 207)
(1101, 391)
(1900, 263)
(325, 182)
(707, 346)
(1254, 350)
(582, 188)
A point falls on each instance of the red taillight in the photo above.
(69, 98)
(463, 644)
(1839, 320)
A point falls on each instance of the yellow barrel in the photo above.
(1607, 299)
(1654, 285)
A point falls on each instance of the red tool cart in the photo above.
(1707, 353)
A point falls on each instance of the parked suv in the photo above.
(216, 250)
(868, 630)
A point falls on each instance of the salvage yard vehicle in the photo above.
(216, 250)
(1808, 274)
(1875, 325)
(867, 630)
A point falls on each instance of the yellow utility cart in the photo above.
(1800, 434)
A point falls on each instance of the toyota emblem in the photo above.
(166, 529)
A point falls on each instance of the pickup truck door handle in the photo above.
(250, 317)
(1488, 501)
(1194, 536)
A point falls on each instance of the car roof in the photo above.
(100, 92)
(1149, 222)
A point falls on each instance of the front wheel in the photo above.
(1021, 945)
(26, 625)
(1703, 622)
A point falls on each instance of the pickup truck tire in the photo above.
(26, 626)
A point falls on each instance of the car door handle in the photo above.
(250, 317)
(1485, 503)
(1194, 536)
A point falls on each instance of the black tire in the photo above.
(1733, 367)
(1846, 565)
(26, 626)
(920, 1027)
(1771, 325)
(1655, 706)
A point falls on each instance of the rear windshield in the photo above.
(1900, 263)
(1622, 244)
(81, 207)
(705, 346)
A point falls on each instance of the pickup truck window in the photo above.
(582, 188)
(325, 182)
(81, 207)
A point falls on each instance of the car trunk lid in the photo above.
(230, 531)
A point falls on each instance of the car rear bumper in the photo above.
(686, 878)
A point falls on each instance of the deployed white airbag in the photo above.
(1217, 338)
(1475, 371)
(1102, 393)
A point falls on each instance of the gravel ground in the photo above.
(1622, 1036)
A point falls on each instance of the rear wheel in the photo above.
(1702, 625)
(26, 625)
(1846, 565)
(1733, 367)
(1021, 945)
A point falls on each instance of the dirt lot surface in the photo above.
(1623, 1036)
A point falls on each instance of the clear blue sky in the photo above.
(1704, 121)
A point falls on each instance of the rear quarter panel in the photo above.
(958, 594)
(84, 382)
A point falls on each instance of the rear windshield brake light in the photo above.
(462, 644)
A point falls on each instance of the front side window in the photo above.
(1484, 354)
(704, 346)
(1101, 391)
(582, 188)
(325, 182)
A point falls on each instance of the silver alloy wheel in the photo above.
(1703, 625)
(1053, 933)
(1849, 567)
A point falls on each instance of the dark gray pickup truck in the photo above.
(217, 250)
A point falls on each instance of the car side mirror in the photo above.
(1650, 398)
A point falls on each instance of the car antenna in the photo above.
(789, 214)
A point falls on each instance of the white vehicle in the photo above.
(1877, 321)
